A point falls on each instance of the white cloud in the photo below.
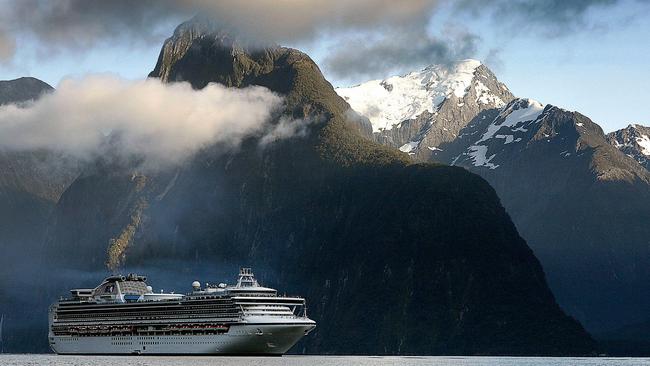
(162, 123)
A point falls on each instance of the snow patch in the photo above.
(516, 113)
(509, 138)
(484, 96)
(409, 146)
(478, 154)
(644, 143)
(523, 110)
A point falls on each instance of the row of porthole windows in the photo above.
(148, 338)
(130, 339)
(188, 342)
(130, 343)
(163, 334)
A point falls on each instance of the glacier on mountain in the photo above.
(389, 102)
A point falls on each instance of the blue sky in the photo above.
(600, 68)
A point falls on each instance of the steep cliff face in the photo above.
(393, 258)
(578, 197)
(31, 183)
(577, 200)
(27, 172)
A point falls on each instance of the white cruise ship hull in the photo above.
(123, 316)
(244, 339)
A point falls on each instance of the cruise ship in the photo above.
(124, 316)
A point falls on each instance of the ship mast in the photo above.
(246, 278)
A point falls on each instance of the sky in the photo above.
(585, 55)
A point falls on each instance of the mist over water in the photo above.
(28, 288)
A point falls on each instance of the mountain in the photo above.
(580, 203)
(633, 141)
(393, 257)
(419, 111)
(31, 183)
(22, 90)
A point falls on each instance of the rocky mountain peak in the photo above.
(525, 126)
(389, 102)
(633, 141)
(419, 111)
(201, 40)
(200, 53)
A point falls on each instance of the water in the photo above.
(53, 360)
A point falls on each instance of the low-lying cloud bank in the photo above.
(160, 123)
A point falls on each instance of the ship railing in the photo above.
(148, 321)
(171, 329)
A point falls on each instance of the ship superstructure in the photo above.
(124, 316)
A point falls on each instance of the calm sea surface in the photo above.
(53, 360)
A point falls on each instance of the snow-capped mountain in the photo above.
(580, 203)
(527, 127)
(510, 126)
(633, 141)
(418, 111)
